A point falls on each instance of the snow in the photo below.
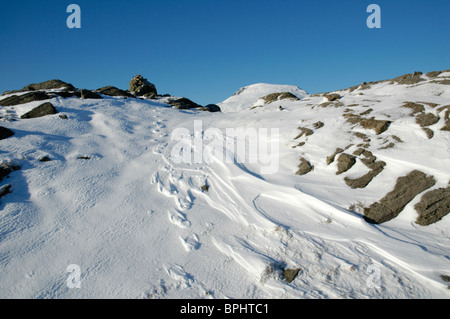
(248, 96)
(140, 226)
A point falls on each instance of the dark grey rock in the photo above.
(39, 111)
(183, 103)
(5, 189)
(47, 85)
(7, 168)
(113, 91)
(140, 86)
(87, 94)
(5, 132)
(405, 190)
(433, 206)
(25, 98)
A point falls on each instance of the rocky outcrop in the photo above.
(183, 103)
(7, 168)
(405, 190)
(47, 85)
(379, 126)
(87, 94)
(113, 91)
(5, 133)
(332, 97)
(412, 78)
(140, 86)
(25, 98)
(304, 167)
(39, 111)
(345, 162)
(433, 206)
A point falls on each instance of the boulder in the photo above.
(183, 103)
(25, 98)
(412, 78)
(405, 190)
(5, 189)
(433, 206)
(87, 94)
(379, 126)
(5, 133)
(47, 85)
(332, 97)
(304, 167)
(39, 111)
(212, 108)
(140, 87)
(7, 168)
(345, 162)
(427, 119)
(113, 91)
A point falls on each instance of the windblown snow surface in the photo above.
(139, 225)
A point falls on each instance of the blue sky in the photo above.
(207, 49)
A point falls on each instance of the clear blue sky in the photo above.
(207, 49)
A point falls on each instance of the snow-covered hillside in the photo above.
(247, 96)
(113, 197)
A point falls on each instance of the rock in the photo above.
(213, 108)
(330, 159)
(406, 188)
(332, 97)
(5, 189)
(5, 133)
(39, 111)
(429, 132)
(345, 162)
(7, 168)
(290, 274)
(87, 94)
(279, 96)
(365, 180)
(25, 98)
(205, 188)
(140, 87)
(83, 157)
(45, 159)
(318, 125)
(63, 117)
(47, 85)
(408, 78)
(379, 126)
(305, 131)
(427, 119)
(113, 91)
(433, 206)
(416, 108)
(183, 103)
(304, 167)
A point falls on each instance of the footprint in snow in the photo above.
(179, 219)
(191, 242)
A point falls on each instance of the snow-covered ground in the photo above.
(138, 224)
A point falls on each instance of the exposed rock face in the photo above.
(87, 94)
(345, 162)
(113, 91)
(5, 132)
(427, 119)
(365, 180)
(330, 159)
(406, 188)
(6, 168)
(47, 85)
(279, 96)
(25, 98)
(414, 78)
(304, 131)
(304, 167)
(39, 111)
(433, 206)
(212, 108)
(140, 86)
(379, 126)
(183, 103)
(332, 97)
